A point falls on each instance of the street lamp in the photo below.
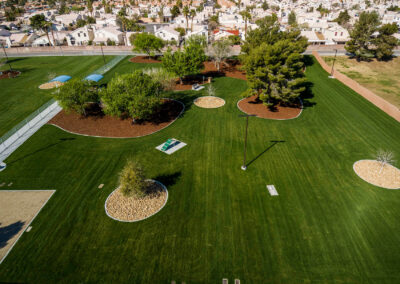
(333, 64)
(244, 167)
(5, 53)
(101, 46)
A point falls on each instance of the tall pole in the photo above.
(244, 167)
(103, 54)
(333, 64)
(9, 64)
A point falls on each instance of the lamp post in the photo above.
(101, 46)
(5, 53)
(244, 167)
(333, 64)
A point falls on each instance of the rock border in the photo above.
(166, 199)
(301, 111)
(86, 135)
(194, 102)
(354, 169)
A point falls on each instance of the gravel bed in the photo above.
(50, 85)
(131, 209)
(209, 102)
(370, 171)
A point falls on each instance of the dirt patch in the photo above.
(251, 105)
(131, 209)
(372, 172)
(209, 102)
(50, 85)
(17, 210)
(98, 124)
(9, 74)
(144, 59)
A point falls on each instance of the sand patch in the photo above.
(18, 208)
(132, 209)
(50, 85)
(372, 172)
(209, 102)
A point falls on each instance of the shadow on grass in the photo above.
(61, 140)
(8, 232)
(168, 179)
(274, 142)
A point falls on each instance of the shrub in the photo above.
(132, 180)
(165, 78)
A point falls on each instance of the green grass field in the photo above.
(327, 225)
(21, 96)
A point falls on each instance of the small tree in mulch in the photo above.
(220, 50)
(210, 90)
(384, 158)
(148, 43)
(136, 95)
(132, 181)
(75, 95)
(188, 60)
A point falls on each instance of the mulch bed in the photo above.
(98, 124)
(252, 106)
(230, 68)
(144, 59)
(9, 74)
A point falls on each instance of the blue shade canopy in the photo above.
(62, 78)
(94, 77)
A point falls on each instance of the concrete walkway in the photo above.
(18, 138)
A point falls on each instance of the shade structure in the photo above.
(94, 77)
(62, 78)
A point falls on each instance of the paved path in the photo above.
(23, 134)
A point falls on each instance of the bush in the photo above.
(165, 78)
(132, 180)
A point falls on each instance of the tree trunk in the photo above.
(180, 79)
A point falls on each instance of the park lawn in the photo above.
(381, 77)
(326, 225)
(21, 96)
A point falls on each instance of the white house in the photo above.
(80, 36)
(167, 33)
(101, 36)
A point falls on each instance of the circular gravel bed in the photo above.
(372, 172)
(252, 106)
(99, 125)
(209, 102)
(50, 85)
(133, 209)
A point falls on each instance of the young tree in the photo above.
(164, 77)
(186, 61)
(384, 158)
(273, 63)
(75, 95)
(210, 90)
(220, 50)
(148, 43)
(132, 181)
(135, 94)
(292, 19)
(361, 36)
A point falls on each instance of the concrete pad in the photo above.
(18, 208)
(101, 186)
(272, 190)
(175, 146)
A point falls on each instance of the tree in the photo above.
(38, 22)
(246, 15)
(186, 13)
(362, 39)
(164, 77)
(385, 42)
(273, 63)
(187, 60)
(75, 95)
(292, 19)
(175, 11)
(210, 90)
(132, 181)
(80, 23)
(384, 158)
(148, 43)
(136, 95)
(343, 18)
(181, 31)
(235, 39)
(192, 14)
(220, 50)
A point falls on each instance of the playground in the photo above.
(299, 213)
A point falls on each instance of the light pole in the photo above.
(101, 46)
(244, 167)
(333, 64)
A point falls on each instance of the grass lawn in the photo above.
(379, 76)
(21, 96)
(327, 225)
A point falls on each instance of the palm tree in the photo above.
(246, 15)
(192, 14)
(186, 13)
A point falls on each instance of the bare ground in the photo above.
(209, 102)
(372, 171)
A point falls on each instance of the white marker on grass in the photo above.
(272, 190)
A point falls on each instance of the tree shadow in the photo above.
(274, 142)
(307, 95)
(15, 59)
(61, 140)
(168, 179)
(308, 60)
(8, 232)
